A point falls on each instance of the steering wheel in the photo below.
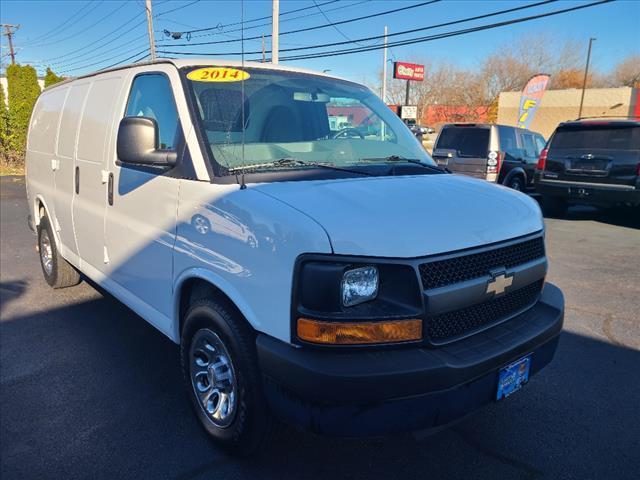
(346, 131)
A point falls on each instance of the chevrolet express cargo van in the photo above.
(335, 278)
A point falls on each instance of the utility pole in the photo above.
(264, 50)
(586, 73)
(406, 97)
(384, 67)
(275, 27)
(9, 33)
(152, 43)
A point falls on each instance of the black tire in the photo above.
(56, 270)
(516, 182)
(554, 206)
(252, 423)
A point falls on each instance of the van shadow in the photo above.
(91, 390)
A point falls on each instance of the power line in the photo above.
(448, 34)
(342, 34)
(307, 29)
(177, 8)
(379, 37)
(268, 17)
(76, 34)
(58, 29)
(424, 38)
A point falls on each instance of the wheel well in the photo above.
(518, 173)
(41, 210)
(193, 289)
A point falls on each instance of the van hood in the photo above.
(410, 216)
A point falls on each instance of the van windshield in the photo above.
(294, 120)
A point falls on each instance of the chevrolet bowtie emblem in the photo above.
(499, 283)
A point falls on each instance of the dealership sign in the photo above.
(409, 112)
(408, 71)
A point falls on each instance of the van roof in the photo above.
(192, 62)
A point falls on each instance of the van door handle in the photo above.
(110, 189)
(77, 180)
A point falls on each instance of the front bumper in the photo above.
(373, 392)
(589, 193)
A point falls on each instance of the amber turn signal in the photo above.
(359, 333)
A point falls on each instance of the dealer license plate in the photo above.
(513, 376)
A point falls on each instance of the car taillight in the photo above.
(638, 170)
(542, 159)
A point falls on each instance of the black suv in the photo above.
(594, 162)
(497, 153)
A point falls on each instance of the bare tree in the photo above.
(627, 72)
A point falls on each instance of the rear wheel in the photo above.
(516, 182)
(56, 270)
(555, 206)
(222, 378)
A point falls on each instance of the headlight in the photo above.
(359, 285)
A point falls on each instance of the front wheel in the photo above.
(222, 378)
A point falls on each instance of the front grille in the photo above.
(465, 267)
(446, 326)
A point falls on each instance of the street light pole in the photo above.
(384, 67)
(586, 73)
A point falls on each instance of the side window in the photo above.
(540, 143)
(151, 96)
(508, 142)
(529, 146)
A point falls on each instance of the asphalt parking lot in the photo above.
(90, 390)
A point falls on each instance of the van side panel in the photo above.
(91, 200)
(64, 175)
(41, 142)
(245, 243)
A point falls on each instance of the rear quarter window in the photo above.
(466, 141)
(612, 137)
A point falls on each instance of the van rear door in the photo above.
(595, 152)
(463, 149)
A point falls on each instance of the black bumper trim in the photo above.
(334, 391)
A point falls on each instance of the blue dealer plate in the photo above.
(513, 376)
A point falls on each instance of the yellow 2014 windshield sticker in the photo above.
(217, 74)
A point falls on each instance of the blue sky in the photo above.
(80, 36)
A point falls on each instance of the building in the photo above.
(562, 105)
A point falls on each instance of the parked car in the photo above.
(344, 284)
(497, 153)
(594, 162)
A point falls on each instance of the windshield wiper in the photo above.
(398, 158)
(291, 161)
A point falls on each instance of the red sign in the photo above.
(408, 71)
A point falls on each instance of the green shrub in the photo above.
(23, 92)
(50, 78)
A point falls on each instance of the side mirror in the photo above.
(138, 143)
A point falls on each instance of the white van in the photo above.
(333, 278)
